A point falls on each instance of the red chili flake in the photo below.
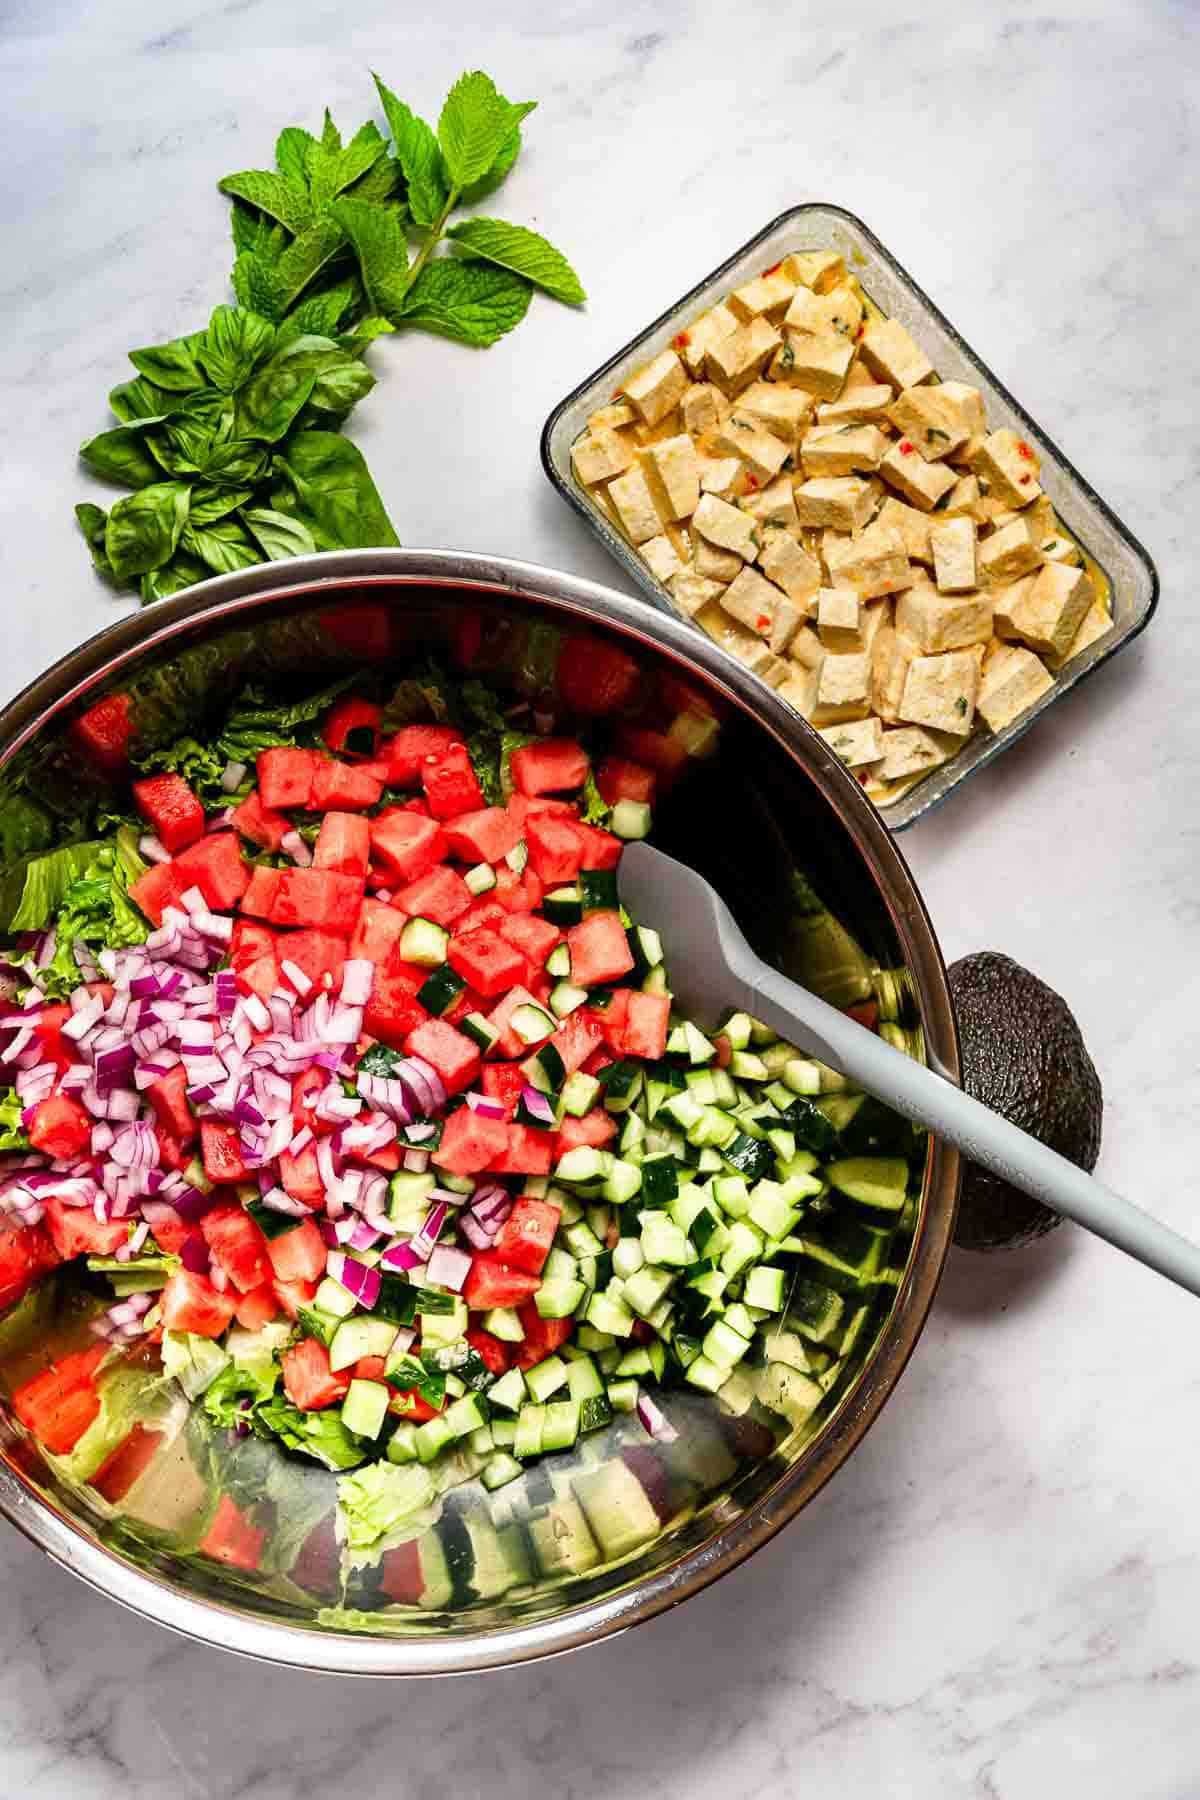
(863, 778)
(1025, 480)
(906, 449)
(751, 481)
(763, 622)
(1025, 451)
(859, 333)
(774, 269)
(681, 340)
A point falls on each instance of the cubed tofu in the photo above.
(751, 599)
(843, 689)
(842, 450)
(937, 622)
(612, 417)
(839, 618)
(963, 501)
(891, 655)
(699, 408)
(875, 615)
(922, 483)
(754, 651)
(630, 494)
(865, 404)
(954, 548)
(783, 410)
(816, 364)
(1047, 615)
(661, 558)
(726, 526)
(672, 471)
(891, 355)
(1097, 623)
(1013, 678)
(694, 342)
(807, 648)
(1009, 553)
(774, 505)
(786, 563)
(658, 387)
(1010, 466)
(789, 616)
(843, 502)
(1006, 600)
(873, 563)
(735, 361)
(816, 269)
(1053, 543)
(838, 311)
(800, 689)
(713, 563)
(601, 455)
(912, 750)
(718, 474)
(939, 418)
(941, 691)
(763, 453)
(912, 525)
(858, 742)
(670, 425)
(768, 293)
(693, 591)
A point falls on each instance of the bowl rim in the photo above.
(230, 1627)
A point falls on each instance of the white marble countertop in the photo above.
(998, 1596)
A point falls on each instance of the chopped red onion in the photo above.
(278, 1200)
(449, 1268)
(357, 1278)
(402, 1256)
(296, 976)
(358, 976)
(476, 1233)
(416, 1161)
(297, 849)
(153, 849)
(654, 1420)
(232, 777)
(484, 1105)
(537, 1105)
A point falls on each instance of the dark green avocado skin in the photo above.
(1022, 1055)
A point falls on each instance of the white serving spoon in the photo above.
(714, 970)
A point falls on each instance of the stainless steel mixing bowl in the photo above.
(770, 800)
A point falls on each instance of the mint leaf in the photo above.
(291, 153)
(303, 259)
(254, 231)
(382, 181)
(236, 341)
(331, 171)
(331, 137)
(255, 286)
(320, 313)
(524, 252)
(419, 156)
(377, 236)
(469, 302)
(510, 149)
(474, 124)
(284, 200)
(278, 535)
(364, 333)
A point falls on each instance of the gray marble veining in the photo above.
(997, 1598)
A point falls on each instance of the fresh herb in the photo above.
(960, 705)
(933, 432)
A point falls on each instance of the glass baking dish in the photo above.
(1126, 568)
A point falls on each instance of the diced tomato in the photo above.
(167, 1094)
(594, 677)
(104, 731)
(526, 1236)
(542, 1336)
(318, 897)
(59, 1126)
(454, 1056)
(191, 1303)
(344, 844)
(485, 836)
(249, 942)
(450, 783)
(259, 977)
(601, 850)
(258, 823)
(238, 1244)
(599, 949)
(174, 814)
(485, 911)
(493, 1282)
(131, 1458)
(577, 1037)
(393, 1010)
(301, 1176)
(664, 754)
(292, 1295)
(595, 1129)
(376, 932)
(308, 1381)
(502, 1082)
(549, 766)
(724, 1051)
(641, 1028)
(618, 778)
(346, 786)
(159, 887)
(231, 1538)
(58, 1405)
(257, 1308)
(528, 1151)
(518, 893)
(285, 777)
(509, 1044)
(26, 1254)
(495, 1353)
(352, 728)
(441, 895)
(299, 1254)
(484, 959)
(555, 848)
(470, 1142)
(321, 955)
(215, 866)
(76, 1231)
(407, 842)
(259, 897)
(222, 1152)
(364, 630)
(406, 752)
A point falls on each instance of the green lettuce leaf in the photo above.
(126, 1398)
(96, 910)
(596, 809)
(202, 766)
(42, 884)
(380, 1498)
(320, 1435)
(254, 1383)
(256, 723)
(12, 1134)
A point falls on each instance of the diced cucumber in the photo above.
(785, 1390)
(609, 1313)
(503, 1322)
(664, 1242)
(332, 1297)
(466, 1415)
(627, 1257)
(623, 1181)
(517, 857)
(736, 1030)
(745, 1066)
(532, 1023)
(704, 1373)
(408, 1193)
(440, 990)
(769, 1210)
(530, 1424)
(622, 1084)
(432, 1438)
(566, 999)
(699, 1048)
(402, 1445)
(590, 1337)
(357, 1337)
(563, 906)
(560, 1265)
(876, 1181)
(481, 879)
(544, 1069)
(581, 1239)
(425, 943)
(815, 1310)
(623, 1395)
(509, 1392)
(745, 1247)
(480, 1030)
(558, 963)
(630, 819)
(598, 890)
(498, 1471)
(558, 1299)
(546, 1377)
(504, 1430)
(723, 1345)
(646, 1289)
(583, 1164)
(438, 1330)
(764, 1287)
(580, 1093)
(583, 1381)
(560, 1427)
(801, 1077)
(481, 1442)
(732, 1194)
(562, 1540)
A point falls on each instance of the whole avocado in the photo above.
(1024, 1056)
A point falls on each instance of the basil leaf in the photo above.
(140, 401)
(172, 365)
(474, 125)
(181, 572)
(212, 503)
(92, 521)
(525, 252)
(469, 302)
(419, 155)
(323, 482)
(121, 455)
(233, 346)
(339, 387)
(144, 529)
(280, 198)
(278, 536)
(222, 547)
(271, 399)
(377, 237)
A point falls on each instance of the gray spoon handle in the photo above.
(979, 1133)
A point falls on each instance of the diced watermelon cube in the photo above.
(407, 842)
(555, 848)
(454, 1056)
(222, 1152)
(441, 895)
(502, 1082)
(301, 1176)
(601, 850)
(174, 814)
(618, 778)
(258, 823)
(347, 786)
(308, 1381)
(257, 1308)
(352, 728)
(215, 866)
(484, 911)
(552, 765)
(534, 937)
(259, 977)
(406, 752)
(656, 749)
(285, 777)
(470, 1142)
(599, 949)
(576, 1038)
(318, 897)
(523, 807)
(493, 1282)
(595, 1129)
(526, 1236)
(509, 1045)
(450, 783)
(343, 844)
(527, 1152)
(59, 1126)
(190, 1302)
(320, 955)
(76, 1231)
(542, 1336)
(299, 1254)
(167, 1094)
(238, 1245)
(393, 1010)
(484, 959)
(594, 676)
(159, 887)
(104, 731)
(26, 1254)
(259, 897)
(518, 893)
(642, 1030)
(485, 836)
(376, 931)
